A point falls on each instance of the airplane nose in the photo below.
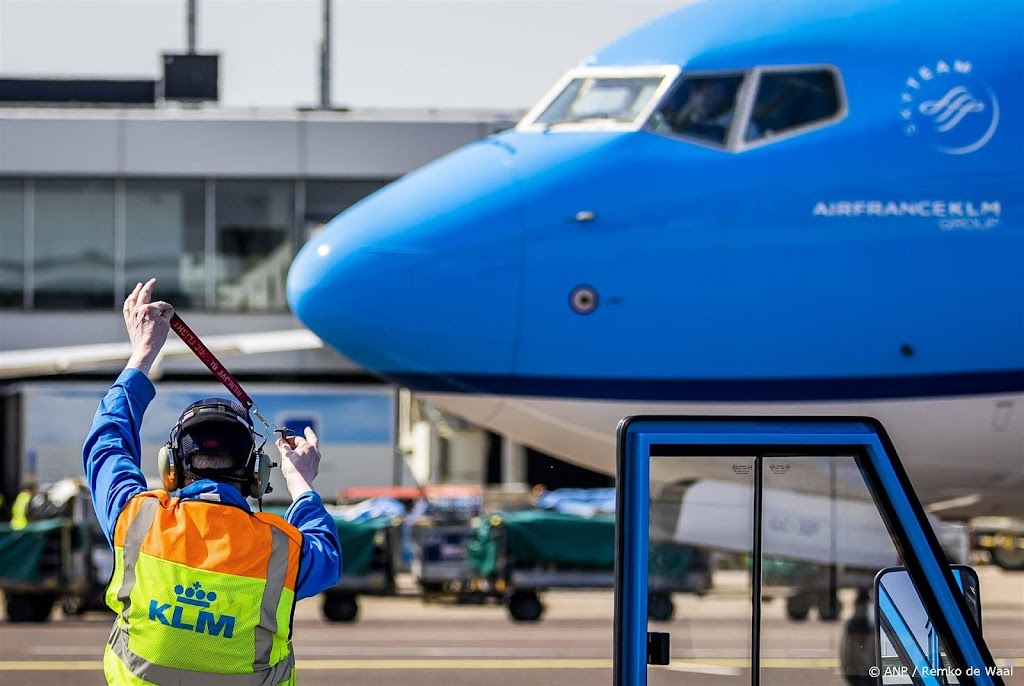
(424, 275)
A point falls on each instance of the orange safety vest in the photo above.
(204, 592)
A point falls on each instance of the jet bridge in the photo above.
(821, 491)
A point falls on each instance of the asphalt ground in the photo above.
(406, 642)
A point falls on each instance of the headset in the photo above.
(218, 418)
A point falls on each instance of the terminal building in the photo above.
(214, 203)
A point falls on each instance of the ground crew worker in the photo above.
(204, 588)
(19, 510)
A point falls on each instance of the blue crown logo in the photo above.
(194, 595)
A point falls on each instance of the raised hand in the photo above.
(300, 462)
(147, 323)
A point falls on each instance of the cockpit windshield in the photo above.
(699, 107)
(746, 109)
(733, 110)
(597, 100)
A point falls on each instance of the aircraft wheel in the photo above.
(525, 606)
(1010, 560)
(660, 607)
(829, 608)
(798, 607)
(340, 607)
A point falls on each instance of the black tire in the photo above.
(19, 607)
(829, 608)
(44, 606)
(340, 607)
(798, 607)
(74, 605)
(1010, 560)
(29, 607)
(525, 606)
(660, 607)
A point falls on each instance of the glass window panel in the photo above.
(823, 540)
(12, 240)
(699, 578)
(601, 99)
(74, 244)
(165, 238)
(699, 107)
(254, 244)
(791, 100)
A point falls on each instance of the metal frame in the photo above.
(864, 438)
(28, 225)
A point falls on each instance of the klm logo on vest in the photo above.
(205, 621)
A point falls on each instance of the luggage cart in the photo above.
(439, 555)
(514, 556)
(439, 532)
(53, 560)
(369, 554)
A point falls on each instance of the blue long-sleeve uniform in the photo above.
(112, 458)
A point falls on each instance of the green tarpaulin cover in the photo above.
(570, 541)
(20, 550)
(356, 541)
(777, 571)
(357, 544)
(669, 560)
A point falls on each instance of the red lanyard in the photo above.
(189, 338)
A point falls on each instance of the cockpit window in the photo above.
(699, 107)
(787, 100)
(738, 110)
(600, 99)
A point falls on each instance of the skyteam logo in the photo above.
(204, 621)
(947, 105)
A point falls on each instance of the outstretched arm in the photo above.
(112, 451)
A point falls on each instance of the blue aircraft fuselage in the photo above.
(860, 259)
(875, 252)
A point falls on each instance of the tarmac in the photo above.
(403, 641)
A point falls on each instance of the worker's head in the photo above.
(214, 439)
(30, 487)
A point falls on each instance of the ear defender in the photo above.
(260, 483)
(170, 468)
(255, 477)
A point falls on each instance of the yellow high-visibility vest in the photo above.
(19, 510)
(204, 594)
